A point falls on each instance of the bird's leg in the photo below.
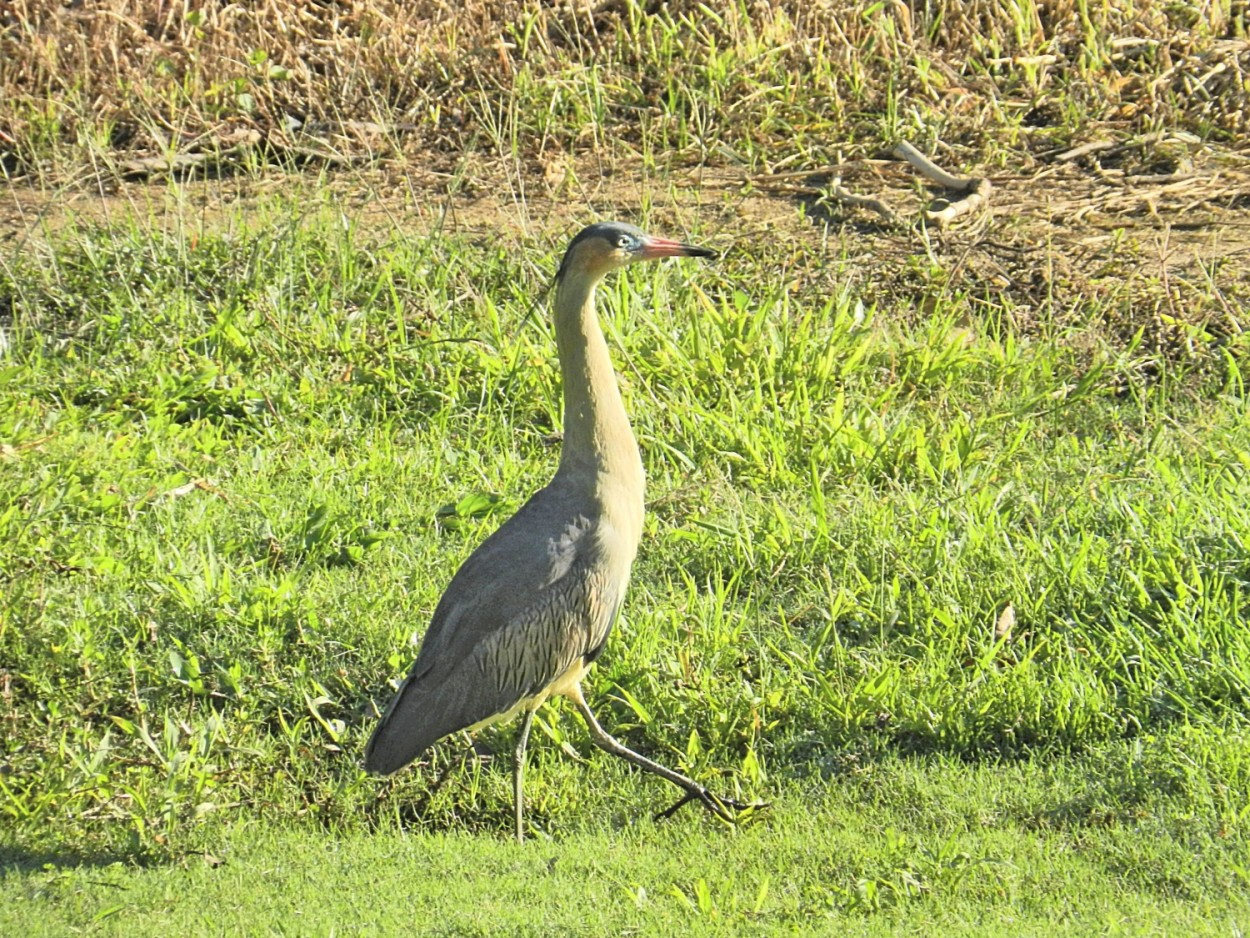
(518, 774)
(718, 806)
(669, 812)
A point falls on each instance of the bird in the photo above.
(530, 610)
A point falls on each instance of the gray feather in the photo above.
(532, 600)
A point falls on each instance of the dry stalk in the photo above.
(153, 78)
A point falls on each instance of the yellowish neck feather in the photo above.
(599, 445)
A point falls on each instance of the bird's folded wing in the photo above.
(520, 612)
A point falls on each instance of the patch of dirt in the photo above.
(1160, 243)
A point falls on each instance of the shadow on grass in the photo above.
(24, 860)
(819, 210)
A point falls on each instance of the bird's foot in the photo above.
(727, 809)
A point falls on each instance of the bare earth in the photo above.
(1159, 229)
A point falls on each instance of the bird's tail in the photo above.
(403, 733)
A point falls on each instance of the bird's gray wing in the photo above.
(528, 603)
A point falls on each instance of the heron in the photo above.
(530, 610)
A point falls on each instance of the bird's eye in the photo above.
(623, 241)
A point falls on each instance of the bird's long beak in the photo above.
(653, 248)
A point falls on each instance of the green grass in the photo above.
(241, 460)
(895, 847)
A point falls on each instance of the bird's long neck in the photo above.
(599, 446)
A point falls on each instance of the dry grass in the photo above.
(1115, 133)
(103, 83)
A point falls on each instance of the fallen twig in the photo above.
(978, 189)
(309, 148)
(844, 196)
(766, 180)
(1113, 146)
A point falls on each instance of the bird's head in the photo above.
(605, 246)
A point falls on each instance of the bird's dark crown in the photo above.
(610, 231)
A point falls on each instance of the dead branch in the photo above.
(844, 196)
(978, 189)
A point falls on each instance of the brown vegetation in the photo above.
(1115, 133)
(344, 78)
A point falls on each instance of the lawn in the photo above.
(946, 546)
(900, 847)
